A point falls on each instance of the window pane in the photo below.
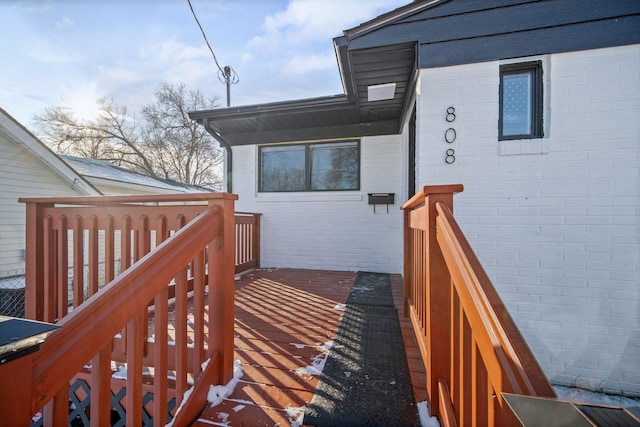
(282, 168)
(516, 104)
(334, 166)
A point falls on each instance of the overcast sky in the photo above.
(72, 52)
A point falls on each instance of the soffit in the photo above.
(350, 115)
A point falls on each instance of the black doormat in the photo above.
(366, 380)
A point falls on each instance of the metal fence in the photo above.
(12, 296)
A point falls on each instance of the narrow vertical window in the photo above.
(521, 101)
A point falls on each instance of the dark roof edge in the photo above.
(390, 17)
(280, 107)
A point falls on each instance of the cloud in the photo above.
(50, 51)
(64, 23)
(36, 6)
(318, 20)
(303, 64)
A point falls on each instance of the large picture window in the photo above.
(521, 101)
(310, 167)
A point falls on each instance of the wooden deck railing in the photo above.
(247, 241)
(471, 348)
(167, 249)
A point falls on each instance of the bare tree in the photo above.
(164, 143)
(180, 148)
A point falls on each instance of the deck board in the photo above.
(283, 318)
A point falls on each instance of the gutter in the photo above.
(229, 156)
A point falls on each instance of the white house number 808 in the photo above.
(450, 136)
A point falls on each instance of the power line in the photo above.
(204, 36)
(226, 74)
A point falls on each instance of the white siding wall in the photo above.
(329, 230)
(558, 230)
(21, 175)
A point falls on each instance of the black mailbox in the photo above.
(381, 199)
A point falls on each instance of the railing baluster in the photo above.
(101, 388)
(62, 267)
(135, 343)
(78, 262)
(125, 261)
(109, 250)
(49, 276)
(94, 255)
(181, 334)
(198, 308)
(160, 353)
(56, 411)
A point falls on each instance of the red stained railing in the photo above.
(471, 348)
(247, 241)
(146, 281)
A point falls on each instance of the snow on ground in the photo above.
(574, 394)
(317, 362)
(218, 393)
(426, 420)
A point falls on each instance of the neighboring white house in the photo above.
(28, 168)
(533, 106)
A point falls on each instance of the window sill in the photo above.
(515, 147)
(309, 197)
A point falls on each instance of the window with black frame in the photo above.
(521, 101)
(327, 166)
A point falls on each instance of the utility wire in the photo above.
(205, 36)
(226, 75)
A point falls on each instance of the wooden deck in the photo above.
(283, 318)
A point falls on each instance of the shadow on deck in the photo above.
(283, 322)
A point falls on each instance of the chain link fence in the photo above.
(12, 296)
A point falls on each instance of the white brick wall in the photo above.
(557, 230)
(330, 230)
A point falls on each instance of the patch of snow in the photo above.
(216, 393)
(298, 346)
(317, 362)
(239, 408)
(223, 417)
(121, 373)
(296, 415)
(243, 401)
(574, 394)
(426, 420)
(219, 392)
(340, 307)
(212, 423)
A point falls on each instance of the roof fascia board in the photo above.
(341, 48)
(21, 136)
(389, 18)
(275, 108)
(360, 130)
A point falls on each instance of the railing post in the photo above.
(15, 401)
(255, 239)
(438, 296)
(34, 262)
(221, 288)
